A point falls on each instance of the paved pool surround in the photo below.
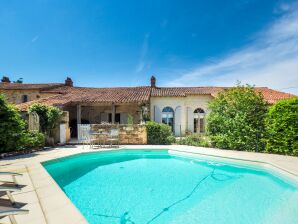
(48, 203)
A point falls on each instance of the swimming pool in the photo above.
(154, 186)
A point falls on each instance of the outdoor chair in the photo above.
(92, 138)
(102, 137)
(113, 137)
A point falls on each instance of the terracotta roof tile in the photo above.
(22, 86)
(272, 96)
(94, 95)
(74, 95)
(184, 91)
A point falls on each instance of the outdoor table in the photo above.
(101, 137)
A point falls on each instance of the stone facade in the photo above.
(16, 96)
(128, 134)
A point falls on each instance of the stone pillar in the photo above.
(79, 112)
(113, 113)
(184, 119)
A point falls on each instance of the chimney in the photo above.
(68, 82)
(153, 81)
(5, 79)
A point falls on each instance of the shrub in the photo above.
(159, 134)
(13, 136)
(48, 116)
(12, 127)
(282, 127)
(195, 140)
(236, 120)
(32, 140)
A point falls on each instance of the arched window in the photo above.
(199, 120)
(25, 98)
(168, 116)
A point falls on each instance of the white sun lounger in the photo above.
(12, 174)
(11, 212)
(8, 190)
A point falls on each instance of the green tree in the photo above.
(20, 80)
(237, 119)
(282, 127)
(12, 126)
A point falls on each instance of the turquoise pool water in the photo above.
(136, 187)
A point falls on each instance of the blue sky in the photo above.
(122, 43)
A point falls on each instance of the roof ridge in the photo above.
(114, 87)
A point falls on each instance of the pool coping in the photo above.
(48, 203)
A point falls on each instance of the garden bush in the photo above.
(282, 127)
(237, 119)
(195, 140)
(13, 134)
(32, 140)
(159, 134)
(12, 127)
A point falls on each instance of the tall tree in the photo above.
(237, 119)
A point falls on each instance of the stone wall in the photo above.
(16, 96)
(128, 134)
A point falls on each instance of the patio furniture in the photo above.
(93, 138)
(8, 207)
(99, 138)
(11, 212)
(113, 136)
(102, 137)
(13, 175)
(6, 189)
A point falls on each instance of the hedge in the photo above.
(12, 126)
(159, 134)
(282, 127)
(237, 119)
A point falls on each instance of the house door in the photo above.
(117, 118)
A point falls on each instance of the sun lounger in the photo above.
(12, 174)
(8, 190)
(11, 212)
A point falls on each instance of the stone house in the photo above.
(183, 108)
(21, 93)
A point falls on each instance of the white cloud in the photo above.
(144, 50)
(271, 60)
